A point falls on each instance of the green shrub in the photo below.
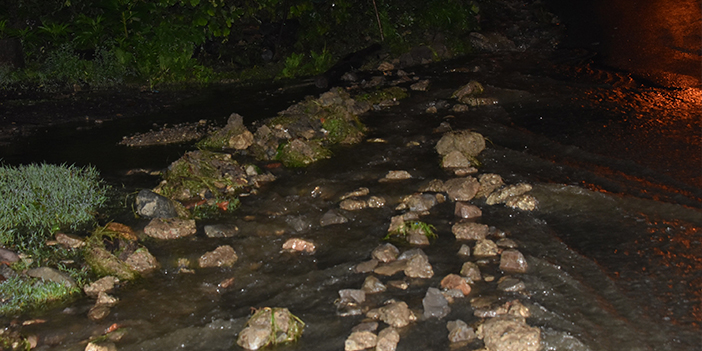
(36, 200)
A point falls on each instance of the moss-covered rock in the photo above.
(300, 153)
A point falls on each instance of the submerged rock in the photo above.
(332, 217)
(221, 230)
(435, 304)
(502, 195)
(222, 256)
(373, 285)
(395, 175)
(270, 326)
(523, 202)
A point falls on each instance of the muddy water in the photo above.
(614, 249)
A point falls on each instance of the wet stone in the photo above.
(462, 189)
(522, 202)
(510, 284)
(353, 204)
(221, 256)
(152, 205)
(104, 284)
(418, 265)
(420, 202)
(391, 268)
(398, 284)
(373, 285)
(299, 223)
(367, 266)
(464, 250)
(506, 243)
(472, 271)
(299, 245)
(367, 326)
(221, 230)
(435, 304)
(376, 202)
(356, 193)
(355, 296)
(170, 228)
(455, 281)
(98, 312)
(435, 185)
(396, 175)
(106, 299)
(470, 231)
(387, 339)
(509, 333)
(385, 253)
(467, 211)
(396, 314)
(360, 341)
(467, 142)
(502, 195)
(422, 85)
(142, 261)
(459, 331)
(417, 237)
(455, 159)
(488, 183)
(485, 247)
(513, 261)
(332, 217)
(100, 346)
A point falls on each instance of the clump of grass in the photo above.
(408, 226)
(282, 326)
(19, 294)
(378, 96)
(37, 200)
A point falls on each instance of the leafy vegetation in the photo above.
(106, 42)
(409, 226)
(37, 200)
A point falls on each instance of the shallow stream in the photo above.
(615, 248)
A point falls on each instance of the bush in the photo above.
(37, 200)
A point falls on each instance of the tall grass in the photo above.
(37, 200)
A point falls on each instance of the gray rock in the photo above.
(435, 304)
(459, 331)
(418, 265)
(52, 275)
(513, 261)
(464, 250)
(470, 231)
(462, 189)
(299, 223)
(507, 243)
(332, 217)
(434, 185)
(170, 228)
(417, 237)
(221, 256)
(152, 205)
(396, 175)
(455, 159)
(355, 296)
(221, 230)
(391, 268)
(420, 202)
(367, 326)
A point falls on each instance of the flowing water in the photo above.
(615, 248)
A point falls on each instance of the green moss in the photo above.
(21, 294)
(408, 226)
(343, 131)
(378, 96)
(299, 153)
